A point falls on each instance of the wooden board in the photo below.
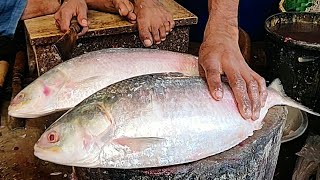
(42, 30)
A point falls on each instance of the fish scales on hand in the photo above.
(150, 121)
(70, 82)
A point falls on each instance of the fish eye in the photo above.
(53, 137)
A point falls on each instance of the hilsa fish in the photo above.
(70, 82)
(151, 120)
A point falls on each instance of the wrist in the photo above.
(217, 29)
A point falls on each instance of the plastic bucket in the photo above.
(293, 55)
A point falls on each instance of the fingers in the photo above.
(83, 31)
(132, 17)
(63, 19)
(214, 83)
(250, 92)
(69, 9)
(239, 88)
(124, 8)
(211, 67)
(262, 88)
(254, 95)
(82, 19)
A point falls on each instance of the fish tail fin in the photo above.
(285, 100)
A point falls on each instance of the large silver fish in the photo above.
(68, 83)
(149, 121)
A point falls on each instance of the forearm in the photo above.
(223, 16)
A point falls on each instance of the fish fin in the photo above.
(277, 86)
(105, 110)
(138, 144)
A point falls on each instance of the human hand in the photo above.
(220, 53)
(70, 9)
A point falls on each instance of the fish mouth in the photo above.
(21, 113)
(38, 152)
(42, 154)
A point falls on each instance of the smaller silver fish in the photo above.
(70, 82)
(150, 121)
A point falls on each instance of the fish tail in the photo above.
(277, 86)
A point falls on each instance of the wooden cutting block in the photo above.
(106, 30)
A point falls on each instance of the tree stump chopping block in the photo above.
(255, 158)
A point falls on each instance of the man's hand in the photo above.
(220, 53)
(69, 9)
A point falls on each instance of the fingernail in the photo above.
(147, 42)
(163, 39)
(218, 94)
(84, 22)
(167, 33)
(120, 12)
(158, 42)
(248, 113)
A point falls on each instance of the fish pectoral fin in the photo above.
(139, 143)
(105, 110)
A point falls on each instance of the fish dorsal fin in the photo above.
(138, 143)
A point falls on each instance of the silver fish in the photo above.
(150, 121)
(70, 82)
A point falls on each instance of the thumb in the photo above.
(213, 77)
(82, 16)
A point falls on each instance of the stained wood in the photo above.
(4, 66)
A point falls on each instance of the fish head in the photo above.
(62, 144)
(74, 139)
(38, 98)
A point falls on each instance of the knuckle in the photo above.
(253, 85)
(261, 80)
(212, 72)
(64, 13)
